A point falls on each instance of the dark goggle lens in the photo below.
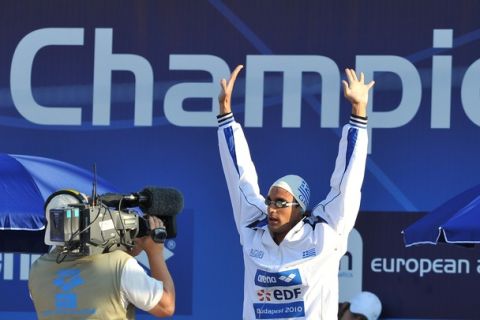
(277, 204)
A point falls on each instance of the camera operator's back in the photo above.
(87, 287)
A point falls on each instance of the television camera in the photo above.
(86, 226)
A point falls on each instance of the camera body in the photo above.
(83, 226)
(86, 229)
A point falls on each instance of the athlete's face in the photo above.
(281, 220)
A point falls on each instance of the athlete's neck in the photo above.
(278, 236)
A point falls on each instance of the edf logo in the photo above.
(279, 294)
(287, 294)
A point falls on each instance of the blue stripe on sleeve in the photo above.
(257, 224)
(351, 141)
(228, 131)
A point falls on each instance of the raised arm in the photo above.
(240, 174)
(341, 206)
(225, 96)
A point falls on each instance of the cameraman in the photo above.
(103, 286)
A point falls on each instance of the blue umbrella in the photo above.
(455, 221)
(25, 183)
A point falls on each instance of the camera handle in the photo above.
(159, 234)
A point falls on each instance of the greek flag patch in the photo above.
(309, 253)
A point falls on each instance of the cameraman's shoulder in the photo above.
(120, 254)
(119, 258)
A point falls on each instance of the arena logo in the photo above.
(291, 66)
(66, 300)
(278, 279)
(255, 253)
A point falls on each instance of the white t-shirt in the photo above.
(138, 288)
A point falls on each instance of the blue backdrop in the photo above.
(132, 87)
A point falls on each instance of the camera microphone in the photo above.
(160, 202)
(152, 200)
(164, 203)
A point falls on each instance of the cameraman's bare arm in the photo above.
(159, 270)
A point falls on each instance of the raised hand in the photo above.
(225, 96)
(356, 91)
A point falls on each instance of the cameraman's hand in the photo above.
(146, 243)
(158, 270)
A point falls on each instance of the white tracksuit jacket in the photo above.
(297, 279)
